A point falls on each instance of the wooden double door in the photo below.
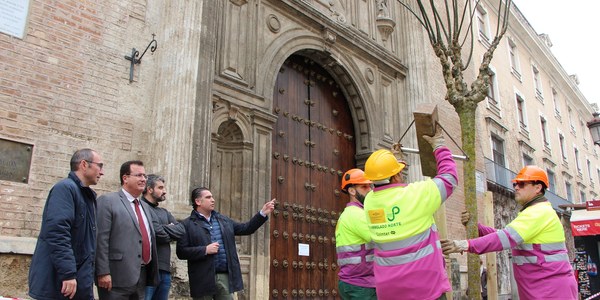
(313, 145)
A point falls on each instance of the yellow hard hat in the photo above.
(382, 164)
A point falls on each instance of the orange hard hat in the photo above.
(532, 173)
(354, 176)
(382, 164)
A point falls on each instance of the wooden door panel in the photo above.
(288, 93)
(331, 111)
(310, 150)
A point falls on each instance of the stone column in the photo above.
(179, 128)
(413, 52)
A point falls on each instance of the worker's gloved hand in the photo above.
(465, 217)
(437, 140)
(454, 246)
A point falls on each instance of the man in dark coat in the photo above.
(209, 247)
(62, 265)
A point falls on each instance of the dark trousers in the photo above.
(135, 292)
(222, 280)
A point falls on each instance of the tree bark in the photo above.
(467, 121)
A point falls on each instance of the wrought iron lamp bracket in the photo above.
(134, 59)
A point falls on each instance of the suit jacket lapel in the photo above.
(129, 209)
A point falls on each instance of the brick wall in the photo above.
(65, 86)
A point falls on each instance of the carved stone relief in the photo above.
(383, 10)
(329, 38)
(384, 21)
(239, 2)
(332, 8)
(273, 23)
(235, 62)
(369, 75)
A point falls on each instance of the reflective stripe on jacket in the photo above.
(408, 259)
(353, 247)
(540, 262)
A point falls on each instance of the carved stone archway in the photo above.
(347, 73)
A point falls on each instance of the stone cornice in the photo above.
(493, 122)
(549, 162)
(347, 36)
(526, 146)
(537, 47)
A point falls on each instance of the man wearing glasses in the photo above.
(540, 262)
(63, 262)
(126, 259)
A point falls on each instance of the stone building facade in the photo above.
(256, 99)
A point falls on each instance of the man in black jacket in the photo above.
(209, 247)
(166, 230)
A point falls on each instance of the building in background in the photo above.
(252, 98)
(534, 115)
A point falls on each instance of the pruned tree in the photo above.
(449, 26)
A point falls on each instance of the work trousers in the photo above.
(354, 292)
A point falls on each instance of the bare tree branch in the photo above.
(412, 12)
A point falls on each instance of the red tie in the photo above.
(145, 241)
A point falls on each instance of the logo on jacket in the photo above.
(392, 216)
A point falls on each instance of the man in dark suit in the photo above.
(126, 257)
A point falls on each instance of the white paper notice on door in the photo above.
(303, 250)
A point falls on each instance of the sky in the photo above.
(573, 29)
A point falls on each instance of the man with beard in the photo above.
(353, 241)
(167, 229)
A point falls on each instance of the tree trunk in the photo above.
(466, 114)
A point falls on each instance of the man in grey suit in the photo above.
(126, 258)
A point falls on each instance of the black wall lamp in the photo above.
(594, 126)
(134, 56)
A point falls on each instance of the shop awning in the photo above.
(585, 222)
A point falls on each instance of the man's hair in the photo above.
(126, 168)
(152, 180)
(544, 187)
(197, 192)
(79, 155)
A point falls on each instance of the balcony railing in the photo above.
(502, 176)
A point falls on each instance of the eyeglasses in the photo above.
(139, 175)
(100, 165)
(522, 184)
